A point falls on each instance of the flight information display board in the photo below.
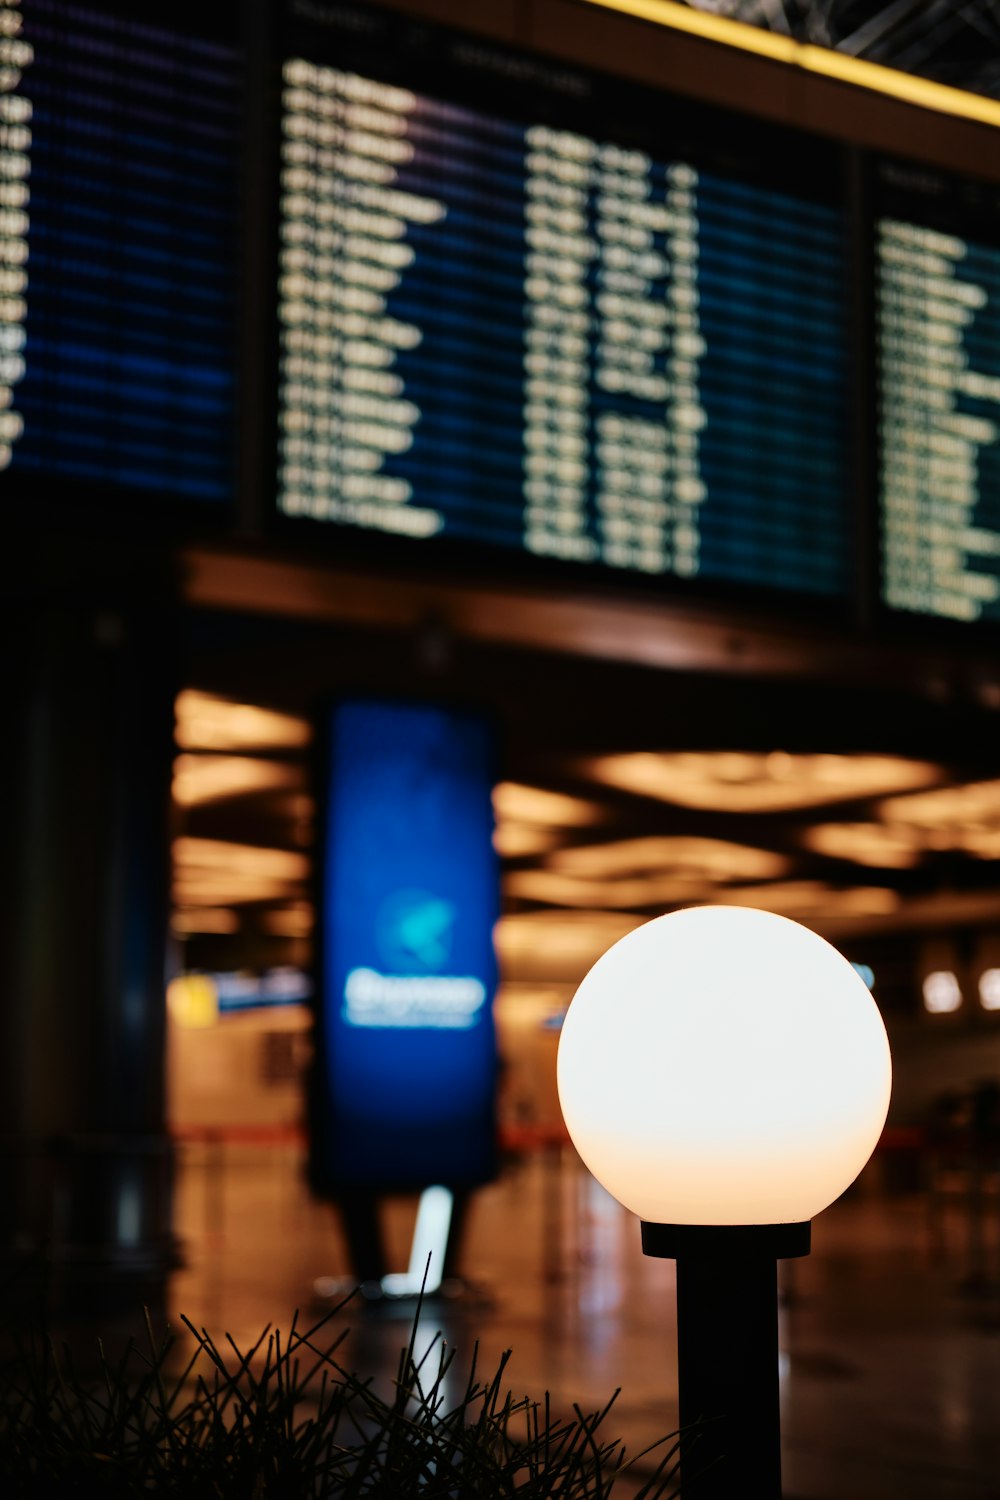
(491, 312)
(622, 350)
(938, 334)
(120, 132)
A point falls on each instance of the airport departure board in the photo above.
(120, 133)
(487, 313)
(623, 348)
(938, 333)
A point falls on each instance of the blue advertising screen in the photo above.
(406, 1050)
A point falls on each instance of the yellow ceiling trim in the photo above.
(822, 60)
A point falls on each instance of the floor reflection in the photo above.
(890, 1352)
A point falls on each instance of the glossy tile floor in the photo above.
(889, 1331)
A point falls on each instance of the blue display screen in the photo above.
(566, 318)
(938, 344)
(405, 1078)
(120, 133)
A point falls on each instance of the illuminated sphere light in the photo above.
(722, 1065)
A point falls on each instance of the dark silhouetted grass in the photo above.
(285, 1419)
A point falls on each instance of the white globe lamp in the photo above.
(725, 1073)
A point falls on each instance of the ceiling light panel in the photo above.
(534, 805)
(213, 778)
(750, 782)
(950, 809)
(556, 944)
(626, 894)
(873, 844)
(204, 722)
(192, 855)
(229, 888)
(980, 843)
(516, 840)
(688, 857)
(803, 899)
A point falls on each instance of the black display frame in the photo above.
(497, 76)
(107, 509)
(822, 167)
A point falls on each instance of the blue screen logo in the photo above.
(414, 937)
(413, 930)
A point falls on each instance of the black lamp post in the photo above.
(725, 1073)
(727, 1350)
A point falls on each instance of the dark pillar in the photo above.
(85, 1167)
